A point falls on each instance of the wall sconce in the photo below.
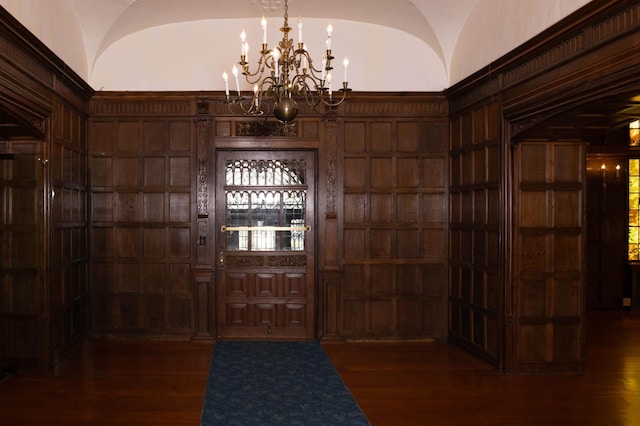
(605, 180)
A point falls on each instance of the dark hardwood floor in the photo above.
(126, 382)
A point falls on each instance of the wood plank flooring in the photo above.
(126, 382)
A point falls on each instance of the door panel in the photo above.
(264, 215)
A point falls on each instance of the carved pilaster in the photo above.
(331, 143)
(203, 187)
(202, 121)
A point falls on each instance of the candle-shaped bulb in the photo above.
(243, 36)
(243, 42)
(225, 77)
(264, 30)
(329, 31)
(345, 63)
(234, 71)
(300, 30)
(305, 61)
(255, 95)
(617, 171)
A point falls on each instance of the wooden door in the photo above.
(265, 218)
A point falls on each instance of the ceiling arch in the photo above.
(414, 45)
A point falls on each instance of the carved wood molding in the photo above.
(29, 56)
(478, 93)
(240, 261)
(331, 142)
(202, 121)
(287, 261)
(233, 261)
(520, 126)
(266, 128)
(25, 62)
(561, 52)
(35, 125)
(203, 188)
(552, 48)
(611, 149)
(622, 22)
(397, 107)
(140, 107)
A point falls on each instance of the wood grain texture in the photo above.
(142, 382)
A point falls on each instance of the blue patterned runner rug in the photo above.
(276, 383)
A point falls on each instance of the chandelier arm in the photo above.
(318, 75)
(332, 101)
(263, 65)
(312, 98)
(301, 89)
(259, 78)
(243, 107)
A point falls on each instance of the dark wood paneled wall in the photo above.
(143, 215)
(382, 257)
(23, 308)
(475, 256)
(394, 243)
(540, 95)
(68, 231)
(547, 297)
(43, 207)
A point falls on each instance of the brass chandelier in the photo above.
(284, 74)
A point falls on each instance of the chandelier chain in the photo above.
(286, 13)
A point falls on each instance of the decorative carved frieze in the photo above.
(561, 52)
(478, 93)
(625, 21)
(520, 126)
(395, 108)
(266, 128)
(235, 261)
(510, 72)
(142, 107)
(27, 63)
(238, 261)
(287, 261)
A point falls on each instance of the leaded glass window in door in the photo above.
(265, 205)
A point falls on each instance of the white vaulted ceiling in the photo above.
(392, 45)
